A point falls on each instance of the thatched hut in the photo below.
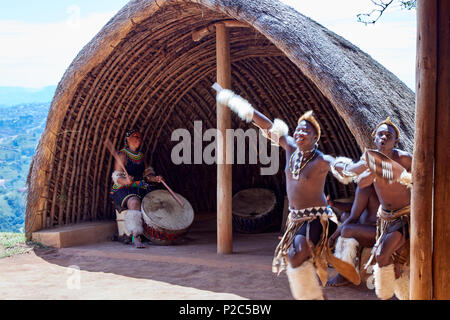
(143, 69)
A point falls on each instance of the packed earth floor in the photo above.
(191, 270)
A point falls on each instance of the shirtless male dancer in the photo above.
(393, 214)
(357, 230)
(310, 220)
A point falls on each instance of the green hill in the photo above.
(21, 127)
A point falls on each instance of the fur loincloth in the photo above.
(320, 253)
(389, 221)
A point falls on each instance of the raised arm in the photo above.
(277, 131)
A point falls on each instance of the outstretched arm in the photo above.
(276, 131)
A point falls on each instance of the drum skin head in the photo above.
(253, 202)
(162, 211)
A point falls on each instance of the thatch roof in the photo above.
(143, 69)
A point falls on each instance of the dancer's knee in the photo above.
(299, 251)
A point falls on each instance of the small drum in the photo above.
(164, 219)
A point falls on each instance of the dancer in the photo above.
(388, 170)
(303, 250)
(357, 230)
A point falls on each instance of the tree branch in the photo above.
(382, 5)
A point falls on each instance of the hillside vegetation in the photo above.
(21, 127)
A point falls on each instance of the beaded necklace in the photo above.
(298, 166)
(135, 157)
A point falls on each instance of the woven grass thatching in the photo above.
(144, 70)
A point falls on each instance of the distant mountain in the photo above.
(17, 95)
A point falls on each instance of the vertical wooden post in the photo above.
(441, 216)
(423, 157)
(224, 170)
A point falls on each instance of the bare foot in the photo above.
(138, 243)
(338, 281)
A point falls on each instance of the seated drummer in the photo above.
(131, 186)
(357, 230)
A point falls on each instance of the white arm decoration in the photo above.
(406, 179)
(236, 103)
(116, 175)
(279, 129)
(346, 176)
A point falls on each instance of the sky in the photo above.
(40, 38)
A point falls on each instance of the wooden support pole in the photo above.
(224, 170)
(441, 216)
(423, 157)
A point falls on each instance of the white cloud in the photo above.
(37, 54)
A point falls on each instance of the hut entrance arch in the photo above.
(145, 70)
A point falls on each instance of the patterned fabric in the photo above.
(310, 212)
(135, 166)
(295, 221)
(389, 221)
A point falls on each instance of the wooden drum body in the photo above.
(254, 210)
(164, 219)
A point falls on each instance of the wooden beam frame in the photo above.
(201, 33)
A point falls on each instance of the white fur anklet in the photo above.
(303, 282)
(133, 222)
(401, 286)
(347, 250)
(384, 281)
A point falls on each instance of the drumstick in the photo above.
(172, 193)
(111, 149)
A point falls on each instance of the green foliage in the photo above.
(21, 127)
(411, 4)
(15, 243)
(12, 244)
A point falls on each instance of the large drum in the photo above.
(254, 210)
(164, 219)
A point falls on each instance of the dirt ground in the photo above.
(191, 270)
